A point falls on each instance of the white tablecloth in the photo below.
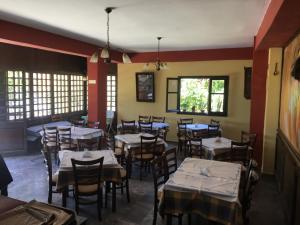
(155, 125)
(66, 156)
(216, 145)
(83, 133)
(134, 140)
(197, 126)
(218, 179)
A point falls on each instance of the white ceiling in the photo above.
(135, 24)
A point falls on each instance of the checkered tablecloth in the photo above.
(82, 132)
(134, 140)
(111, 168)
(205, 187)
(216, 145)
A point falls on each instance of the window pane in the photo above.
(194, 95)
(217, 86)
(217, 103)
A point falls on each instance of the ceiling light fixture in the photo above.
(105, 53)
(159, 65)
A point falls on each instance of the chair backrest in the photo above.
(64, 137)
(145, 127)
(162, 133)
(128, 127)
(248, 137)
(50, 134)
(87, 173)
(56, 118)
(182, 131)
(187, 120)
(46, 152)
(79, 123)
(148, 145)
(90, 144)
(252, 180)
(196, 148)
(144, 118)
(213, 130)
(158, 119)
(214, 122)
(199, 133)
(159, 173)
(170, 157)
(94, 124)
(240, 152)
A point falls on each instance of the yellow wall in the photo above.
(238, 107)
(271, 110)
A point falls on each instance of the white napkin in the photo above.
(204, 171)
(86, 154)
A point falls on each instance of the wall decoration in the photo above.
(290, 96)
(145, 87)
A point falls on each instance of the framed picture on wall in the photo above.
(145, 87)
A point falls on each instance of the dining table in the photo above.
(155, 125)
(132, 141)
(81, 132)
(205, 187)
(111, 170)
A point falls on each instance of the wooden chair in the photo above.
(183, 137)
(128, 127)
(240, 153)
(162, 133)
(146, 152)
(160, 176)
(56, 118)
(213, 131)
(198, 133)
(144, 118)
(187, 121)
(250, 138)
(170, 157)
(214, 122)
(90, 144)
(79, 123)
(50, 138)
(88, 182)
(157, 119)
(145, 127)
(252, 181)
(65, 140)
(196, 149)
(52, 178)
(92, 124)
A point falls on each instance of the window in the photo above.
(41, 94)
(76, 93)
(34, 95)
(198, 95)
(61, 93)
(15, 93)
(111, 93)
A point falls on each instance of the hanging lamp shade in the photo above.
(126, 58)
(94, 57)
(104, 53)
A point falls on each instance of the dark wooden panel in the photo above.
(287, 173)
(12, 138)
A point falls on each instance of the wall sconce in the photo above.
(276, 72)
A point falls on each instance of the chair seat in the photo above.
(123, 173)
(54, 178)
(52, 144)
(119, 151)
(88, 188)
(144, 156)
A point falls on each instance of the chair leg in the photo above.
(106, 191)
(50, 195)
(141, 168)
(127, 190)
(155, 213)
(189, 219)
(99, 204)
(180, 219)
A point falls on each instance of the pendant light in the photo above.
(158, 64)
(105, 53)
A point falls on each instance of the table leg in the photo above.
(64, 196)
(169, 219)
(113, 196)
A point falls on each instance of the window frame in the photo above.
(31, 93)
(211, 78)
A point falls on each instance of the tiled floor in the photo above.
(30, 182)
